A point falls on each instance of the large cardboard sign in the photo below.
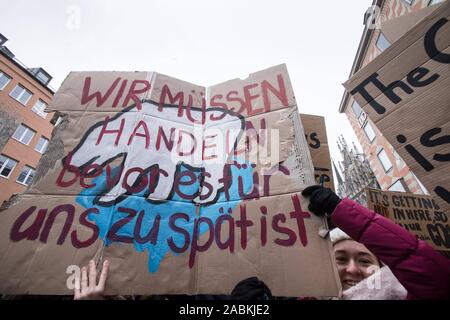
(316, 136)
(184, 189)
(405, 93)
(419, 214)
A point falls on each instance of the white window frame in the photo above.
(40, 112)
(4, 165)
(44, 146)
(398, 160)
(421, 186)
(378, 39)
(386, 158)
(24, 134)
(395, 186)
(372, 130)
(354, 112)
(58, 121)
(408, 2)
(43, 77)
(2, 74)
(30, 171)
(21, 94)
(432, 2)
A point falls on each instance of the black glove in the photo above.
(251, 289)
(321, 200)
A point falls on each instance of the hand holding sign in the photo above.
(89, 289)
(321, 200)
(176, 183)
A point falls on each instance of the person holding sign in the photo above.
(362, 274)
(422, 271)
(87, 287)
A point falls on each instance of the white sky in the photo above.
(203, 42)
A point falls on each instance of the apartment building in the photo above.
(25, 127)
(389, 168)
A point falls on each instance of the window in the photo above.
(21, 94)
(370, 133)
(398, 160)
(3, 39)
(382, 42)
(26, 176)
(43, 77)
(4, 80)
(6, 166)
(384, 159)
(357, 109)
(435, 2)
(42, 144)
(422, 187)
(58, 121)
(39, 108)
(23, 134)
(397, 186)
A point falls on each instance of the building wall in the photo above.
(12, 114)
(390, 9)
(399, 168)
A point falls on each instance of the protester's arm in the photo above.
(420, 269)
(88, 289)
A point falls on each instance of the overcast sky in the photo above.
(203, 42)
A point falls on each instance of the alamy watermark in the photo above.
(73, 17)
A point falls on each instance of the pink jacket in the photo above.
(424, 272)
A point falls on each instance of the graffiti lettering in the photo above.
(105, 142)
(100, 99)
(148, 179)
(42, 224)
(246, 103)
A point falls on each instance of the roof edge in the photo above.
(360, 54)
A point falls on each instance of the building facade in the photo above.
(25, 128)
(390, 170)
(356, 172)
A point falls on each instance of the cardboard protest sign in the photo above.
(405, 93)
(420, 214)
(184, 189)
(316, 136)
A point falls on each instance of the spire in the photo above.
(338, 175)
(354, 171)
(354, 147)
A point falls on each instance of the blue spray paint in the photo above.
(107, 216)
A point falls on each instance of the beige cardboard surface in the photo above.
(411, 105)
(35, 250)
(316, 135)
(162, 191)
(419, 214)
(261, 92)
(100, 91)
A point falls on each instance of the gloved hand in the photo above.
(321, 200)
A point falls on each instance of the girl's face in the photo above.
(354, 262)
